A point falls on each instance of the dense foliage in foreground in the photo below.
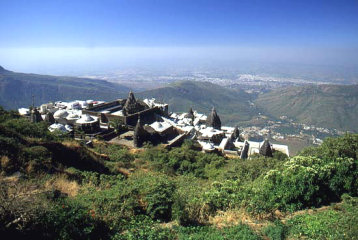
(54, 188)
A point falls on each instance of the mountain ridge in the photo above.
(16, 89)
(232, 104)
(331, 106)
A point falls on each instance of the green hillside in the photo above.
(16, 89)
(52, 187)
(332, 106)
(232, 105)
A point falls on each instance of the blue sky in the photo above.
(281, 29)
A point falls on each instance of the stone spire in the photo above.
(236, 133)
(230, 144)
(131, 105)
(265, 149)
(245, 151)
(139, 134)
(35, 116)
(214, 120)
(191, 115)
(49, 118)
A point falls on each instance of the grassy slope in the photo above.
(101, 193)
(231, 105)
(16, 89)
(333, 106)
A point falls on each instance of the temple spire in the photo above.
(132, 105)
(139, 134)
(214, 120)
(49, 118)
(35, 116)
(191, 115)
(245, 150)
(265, 149)
(236, 133)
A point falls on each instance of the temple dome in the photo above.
(72, 116)
(60, 114)
(86, 119)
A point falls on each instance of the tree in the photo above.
(117, 125)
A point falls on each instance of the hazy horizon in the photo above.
(84, 60)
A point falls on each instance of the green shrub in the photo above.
(7, 115)
(276, 231)
(189, 207)
(112, 205)
(103, 181)
(183, 160)
(37, 158)
(143, 228)
(239, 232)
(25, 128)
(224, 195)
(331, 148)
(157, 193)
(9, 147)
(117, 200)
(21, 210)
(116, 153)
(339, 222)
(304, 182)
(247, 171)
(70, 220)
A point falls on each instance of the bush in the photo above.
(277, 231)
(224, 195)
(189, 207)
(36, 158)
(157, 194)
(7, 115)
(239, 232)
(339, 222)
(115, 153)
(33, 130)
(340, 147)
(143, 228)
(118, 201)
(113, 205)
(69, 220)
(304, 182)
(246, 171)
(9, 147)
(21, 210)
(183, 160)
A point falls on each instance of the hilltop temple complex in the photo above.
(134, 122)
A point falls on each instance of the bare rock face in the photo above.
(265, 149)
(214, 120)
